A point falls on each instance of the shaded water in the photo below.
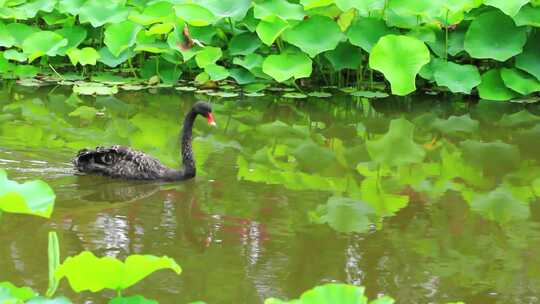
(422, 199)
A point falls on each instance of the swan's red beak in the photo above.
(210, 119)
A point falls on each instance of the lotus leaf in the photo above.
(235, 9)
(287, 65)
(87, 272)
(132, 300)
(99, 13)
(528, 15)
(397, 147)
(458, 78)
(9, 293)
(14, 55)
(529, 60)
(244, 44)
(311, 4)
(320, 94)
(85, 113)
(365, 7)
(208, 55)
(120, 36)
(511, 8)
(20, 32)
(216, 72)
(75, 36)
(493, 87)
(269, 31)
(307, 35)
(270, 9)
(71, 7)
(160, 28)
(35, 197)
(385, 204)
(519, 81)
(520, 119)
(455, 125)
(493, 35)
(399, 58)
(369, 94)
(241, 75)
(25, 71)
(43, 43)
(112, 61)
(501, 206)
(294, 95)
(94, 89)
(194, 14)
(156, 12)
(345, 56)
(347, 215)
(495, 157)
(6, 39)
(83, 56)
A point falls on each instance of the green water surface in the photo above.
(424, 199)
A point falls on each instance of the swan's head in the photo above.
(205, 110)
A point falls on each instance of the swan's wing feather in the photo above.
(118, 161)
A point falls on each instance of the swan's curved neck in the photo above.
(187, 148)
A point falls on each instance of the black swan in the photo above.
(124, 162)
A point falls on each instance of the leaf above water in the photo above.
(34, 197)
(87, 272)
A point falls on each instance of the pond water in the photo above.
(426, 199)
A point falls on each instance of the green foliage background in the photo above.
(465, 46)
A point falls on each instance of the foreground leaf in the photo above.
(399, 58)
(35, 197)
(288, 65)
(43, 43)
(87, 272)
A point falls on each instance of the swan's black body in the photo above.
(124, 162)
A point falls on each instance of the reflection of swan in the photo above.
(124, 162)
(102, 190)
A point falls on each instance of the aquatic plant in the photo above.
(459, 46)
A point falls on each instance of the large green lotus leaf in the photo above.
(365, 7)
(456, 40)
(132, 300)
(156, 12)
(397, 147)
(311, 4)
(345, 56)
(269, 31)
(87, 272)
(287, 65)
(528, 15)
(100, 12)
(208, 55)
(31, 8)
(235, 9)
(6, 39)
(519, 81)
(458, 78)
(71, 7)
(529, 60)
(366, 32)
(242, 76)
(334, 293)
(493, 87)
(456, 125)
(307, 35)
(385, 204)
(519, 119)
(10, 293)
(120, 36)
(346, 215)
(268, 10)
(399, 58)
(250, 62)
(14, 55)
(422, 8)
(493, 35)
(244, 44)
(84, 56)
(501, 206)
(511, 8)
(75, 36)
(495, 157)
(20, 32)
(35, 197)
(216, 72)
(43, 43)
(194, 14)
(112, 61)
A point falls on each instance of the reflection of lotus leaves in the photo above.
(455, 125)
(500, 206)
(347, 215)
(496, 157)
